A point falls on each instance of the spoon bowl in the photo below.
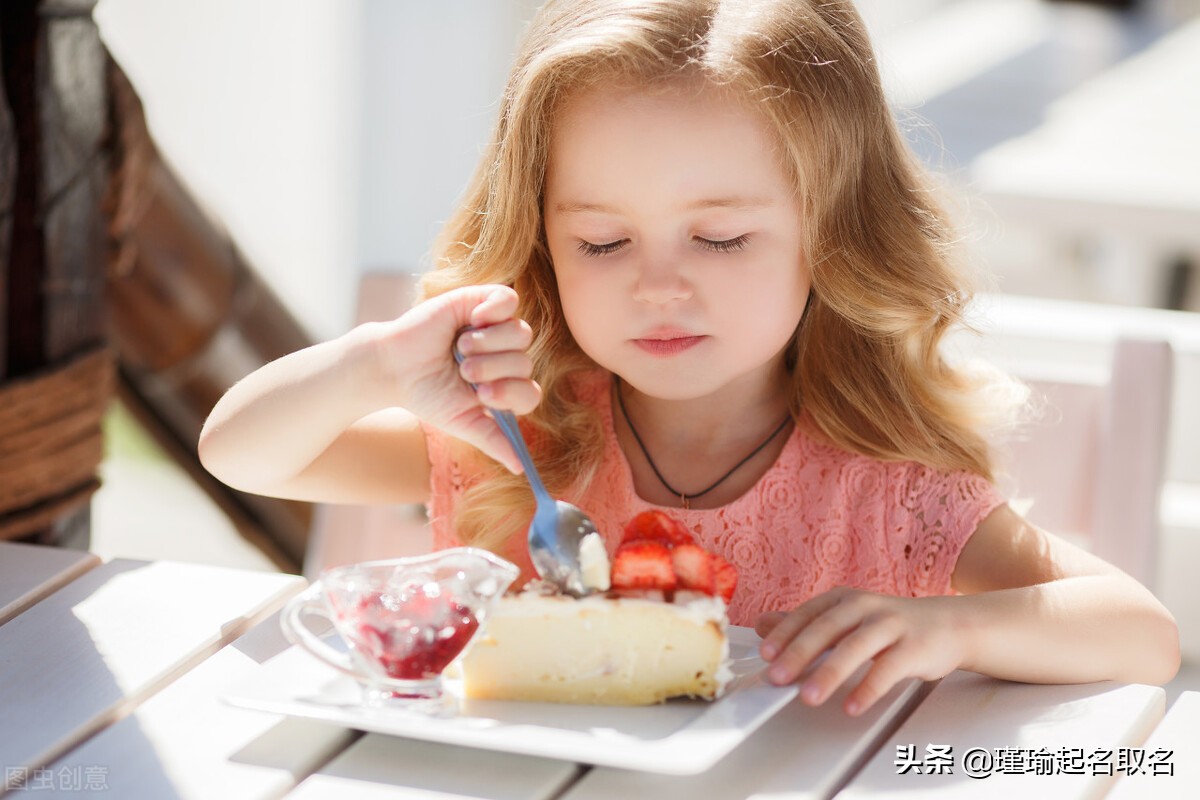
(557, 560)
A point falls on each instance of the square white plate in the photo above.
(679, 737)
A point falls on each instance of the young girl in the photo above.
(700, 261)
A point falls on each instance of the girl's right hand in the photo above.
(418, 364)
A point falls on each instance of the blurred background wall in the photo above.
(330, 137)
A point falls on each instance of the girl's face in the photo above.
(675, 237)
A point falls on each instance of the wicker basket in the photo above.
(51, 441)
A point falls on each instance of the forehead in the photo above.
(686, 136)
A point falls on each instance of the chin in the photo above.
(669, 384)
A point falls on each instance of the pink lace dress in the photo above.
(819, 518)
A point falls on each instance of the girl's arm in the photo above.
(1034, 608)
(338, 421)
(1042, 610)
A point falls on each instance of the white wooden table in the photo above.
(112, 674)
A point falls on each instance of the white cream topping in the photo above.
(698, 607)
(593, 563)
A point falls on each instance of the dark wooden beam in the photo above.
(8, 191)
(53, 81)
(22, 40)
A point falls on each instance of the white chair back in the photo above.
(1093, 463)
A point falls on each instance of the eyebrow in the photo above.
(739, 203)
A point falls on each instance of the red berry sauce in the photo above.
(411, 636)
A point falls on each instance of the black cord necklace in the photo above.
(683, 496)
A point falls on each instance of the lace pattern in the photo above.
(819, 518)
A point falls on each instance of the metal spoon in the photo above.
(558, 527)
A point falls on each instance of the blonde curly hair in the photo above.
(865, 363)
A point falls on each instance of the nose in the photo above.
(660, 281)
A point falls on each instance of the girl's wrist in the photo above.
(373, 375)
(965, 620)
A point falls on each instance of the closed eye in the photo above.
(724, 245)
(590, 249)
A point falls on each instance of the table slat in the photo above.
(379, 767)
(802, 752)
(968, 711)
(29, 572)
(1179, 735)
(88, 654)
(185, 742)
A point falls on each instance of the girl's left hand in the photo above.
(906, 638)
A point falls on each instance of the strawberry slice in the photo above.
(725, 577)
(643, 565)
(657, 526)
(694, 568)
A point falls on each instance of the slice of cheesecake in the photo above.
(600, 650)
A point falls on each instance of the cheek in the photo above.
(566, 283)
(768, 294)
(795, 289)
(584, 308)
(767, 314)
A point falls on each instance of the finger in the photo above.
(511, 394)
(478, 306)
(512, 334)
(766, 623)
(498, 304)
(890, 667)
(786, 629)
(855, 649)
(509, 365)
(821, 634)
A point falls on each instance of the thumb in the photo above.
(481, 431)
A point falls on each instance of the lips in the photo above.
(668, 341)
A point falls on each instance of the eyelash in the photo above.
(723, 246)
(726, 245)
(596, 250)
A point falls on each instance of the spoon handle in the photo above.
(512, 431)
(508, 426)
